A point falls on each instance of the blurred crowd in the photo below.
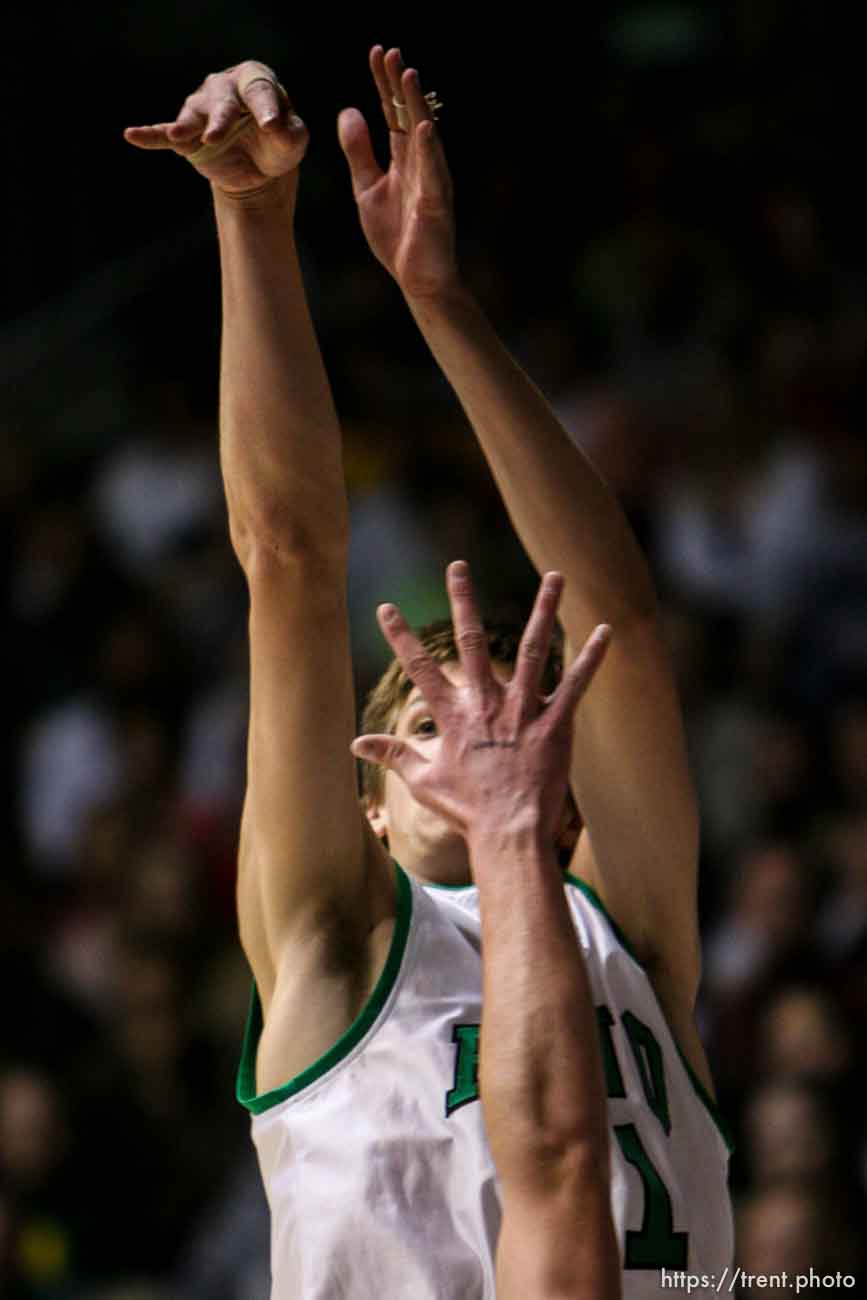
(707, 347)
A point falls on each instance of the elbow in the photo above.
(580, 1157)
(565, 1158)
(275, 533)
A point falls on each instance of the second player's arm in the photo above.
(496, 770)
(540, 1078)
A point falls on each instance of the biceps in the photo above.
(305, 838)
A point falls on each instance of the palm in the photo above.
(409, 232)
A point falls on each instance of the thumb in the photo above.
(355, 142)
(389, 752)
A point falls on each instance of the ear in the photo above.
(376, 815)
(568, 831)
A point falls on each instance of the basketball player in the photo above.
(361, 1055)
(493, 762)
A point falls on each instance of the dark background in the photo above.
(660, 207)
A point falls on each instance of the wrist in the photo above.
(450, 294)
(524, 837)
(276, 194)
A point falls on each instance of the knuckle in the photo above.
(417, 665)
(471, 638)
(490, 702)
(533, 650)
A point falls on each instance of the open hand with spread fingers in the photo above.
(500, 755)
(238, 129)
(406, 211)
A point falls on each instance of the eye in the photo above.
(425, 727)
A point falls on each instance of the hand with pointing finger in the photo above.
(500, 758)
(238, 129)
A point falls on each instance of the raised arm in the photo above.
(629, 769)
(308, 868)
(497, 770)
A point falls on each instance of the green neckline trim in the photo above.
(246, 1079)
(432, 884)
(701, 1091)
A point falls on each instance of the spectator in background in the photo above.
(41, 1221)
(792, 1229)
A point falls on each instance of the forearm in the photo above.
(279, 434)
(540, 1077)
(564, 514)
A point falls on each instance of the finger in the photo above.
(225, 114)
(394, 68)
(420, 667)
(579, 675)
(536, 643)
(389, 752)
(470, 635)
(189, 124)
(355, 142)
(383, 86)
(411, 94)
(435, 182)
(265, 98)
(149, 137)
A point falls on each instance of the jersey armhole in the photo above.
(245, 1086)
(701, 1092)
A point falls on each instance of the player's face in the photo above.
(420, 840)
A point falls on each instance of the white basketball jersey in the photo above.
(375, 1161)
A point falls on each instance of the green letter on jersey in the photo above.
(613, 1078)
(466, 1085)
(648, 1059)
(656, 1245)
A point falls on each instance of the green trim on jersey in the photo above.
(432, 884)
(703, 1094)
(246, 1079)
(592, 897)
(701, 1091)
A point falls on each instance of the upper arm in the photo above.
(631, 780)
(307, 859)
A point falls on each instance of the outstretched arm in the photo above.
(305, 855)
(497, 771)
(629, 769)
